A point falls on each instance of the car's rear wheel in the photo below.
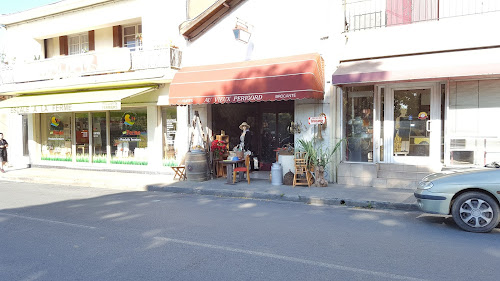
(475, 212)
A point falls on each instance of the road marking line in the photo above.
(49, 221)
(291, 259)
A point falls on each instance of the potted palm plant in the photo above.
(318, 158)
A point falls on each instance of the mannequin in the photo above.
(246, 138)
(246, 142)
(402, 114)
(402, 131)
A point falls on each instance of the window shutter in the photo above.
(45, 48)
(91, 40)
(117, 36)
(63, 45)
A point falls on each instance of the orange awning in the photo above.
(276, 79)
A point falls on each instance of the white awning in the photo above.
(71, 102)
(424, 67)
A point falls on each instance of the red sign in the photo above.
(317, 120)
(224, 99)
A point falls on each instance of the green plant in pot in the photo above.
(318, 158)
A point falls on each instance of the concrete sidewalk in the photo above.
(334, 194)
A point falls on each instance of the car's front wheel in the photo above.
(475, 212)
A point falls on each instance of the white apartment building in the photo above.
(87, 83)
(109, 67)
(410, 84)
(419, 80)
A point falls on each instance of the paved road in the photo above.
(52, 232)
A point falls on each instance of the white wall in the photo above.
(160, 22)
(182, 136)
(103, 38)
(278, 30)
(13, 134)
(155, 141)
(448, 33)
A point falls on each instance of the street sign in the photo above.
(317, 120)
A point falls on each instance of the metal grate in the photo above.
(458, 143)
(366, 14)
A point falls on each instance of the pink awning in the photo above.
(286, 78)
(426, 67)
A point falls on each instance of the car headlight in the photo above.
(425, 185)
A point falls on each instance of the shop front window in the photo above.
(56, 137)
(82, 137)
(269, 123)
(169, 118)
(25, 136)
(358, 123)
(99, 137)
(284, 136)
(129, 141)
(382, 118)
(268, 137)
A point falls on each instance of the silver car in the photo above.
(472, 197)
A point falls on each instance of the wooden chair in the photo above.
(245, 169)
(302, 176)
(180, 171)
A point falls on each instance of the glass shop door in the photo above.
(412, 126)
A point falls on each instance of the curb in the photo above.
(275, 197)
(358, 203)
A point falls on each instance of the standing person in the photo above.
(3, 151)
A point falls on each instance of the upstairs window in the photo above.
(78, 44)
(132, 37)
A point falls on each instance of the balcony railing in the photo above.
(92, 63)
(365, 14)
(148, 59)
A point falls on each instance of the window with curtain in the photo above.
(471, 122)
(132, 37)
(78, 44)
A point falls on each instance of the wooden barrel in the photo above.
(196, 166)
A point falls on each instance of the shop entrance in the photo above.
(412, 126)
(269, 123)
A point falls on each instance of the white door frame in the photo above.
(377, 123)
(435, 124)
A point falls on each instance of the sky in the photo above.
(14, 6)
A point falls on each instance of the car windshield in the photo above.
(492, 165)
